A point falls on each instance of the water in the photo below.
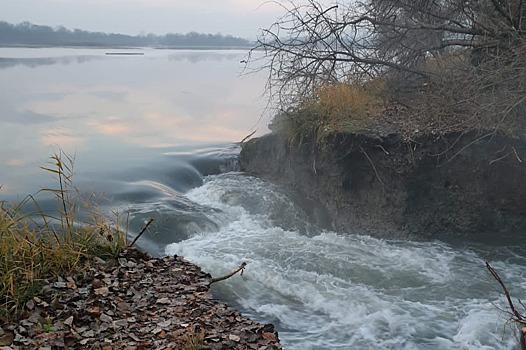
(120, 115)
(342, 291)
(157, 134)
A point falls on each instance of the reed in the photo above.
(37, 245)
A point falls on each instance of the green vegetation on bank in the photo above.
(36, 246)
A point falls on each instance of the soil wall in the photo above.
(457, 184)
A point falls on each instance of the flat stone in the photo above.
(234, 338)
(105, 318)
(69, 321)
(103, 291)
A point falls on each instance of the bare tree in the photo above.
(467, 53)
(514, 315)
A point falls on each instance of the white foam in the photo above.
(335, 291)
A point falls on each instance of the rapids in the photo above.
(325, 290)
(154, 134)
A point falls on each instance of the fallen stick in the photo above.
(240, 268)
(140, 233)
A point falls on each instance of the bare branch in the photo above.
(517, 316)
(460, 61)
(141, 232)
(228, 275)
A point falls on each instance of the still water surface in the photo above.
(158, 135)
(119, 113)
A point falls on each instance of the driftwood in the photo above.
(212, 280)
(222, 278)
(516, 316)
(140, 233)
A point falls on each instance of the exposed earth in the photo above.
(458, 184)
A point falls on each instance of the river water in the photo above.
(158, 135)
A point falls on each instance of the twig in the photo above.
(140, 233)
(501, 158)
(383, 149)
(240, 268)
(517, 316)
(248, 136)
(470, 144)
(372, 164)
(516, 155)
(523, 338)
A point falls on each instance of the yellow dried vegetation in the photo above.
(36, 245)
(333, 107)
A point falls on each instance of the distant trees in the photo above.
(461, 60)
(30, 34)
(197, 39)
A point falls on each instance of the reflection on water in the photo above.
(110, 110)
(34, 57)
(42, 61)
(201, 56)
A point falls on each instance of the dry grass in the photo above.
(462, 95)
(456, 94)
(350, 105)
(333, 107)
(190, 338)
(37, 245)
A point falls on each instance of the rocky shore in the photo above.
(133, 302)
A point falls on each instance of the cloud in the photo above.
(28, 118)
(15, 162)
(231, 6)
(112, 125)
(63, 138)
(113, 96)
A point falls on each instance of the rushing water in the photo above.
(157, 135)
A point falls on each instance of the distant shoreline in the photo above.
(29, 34)
(127, 47)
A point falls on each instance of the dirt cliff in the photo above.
(460, 184)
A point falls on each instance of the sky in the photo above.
(243, 18)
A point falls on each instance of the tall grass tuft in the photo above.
(37, 245)
(333, 107)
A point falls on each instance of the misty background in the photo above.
(240, 18)
(28, 34)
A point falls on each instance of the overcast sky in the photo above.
(241, 18)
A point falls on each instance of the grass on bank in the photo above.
(453, 95)
(37, 245)
(333, 107)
